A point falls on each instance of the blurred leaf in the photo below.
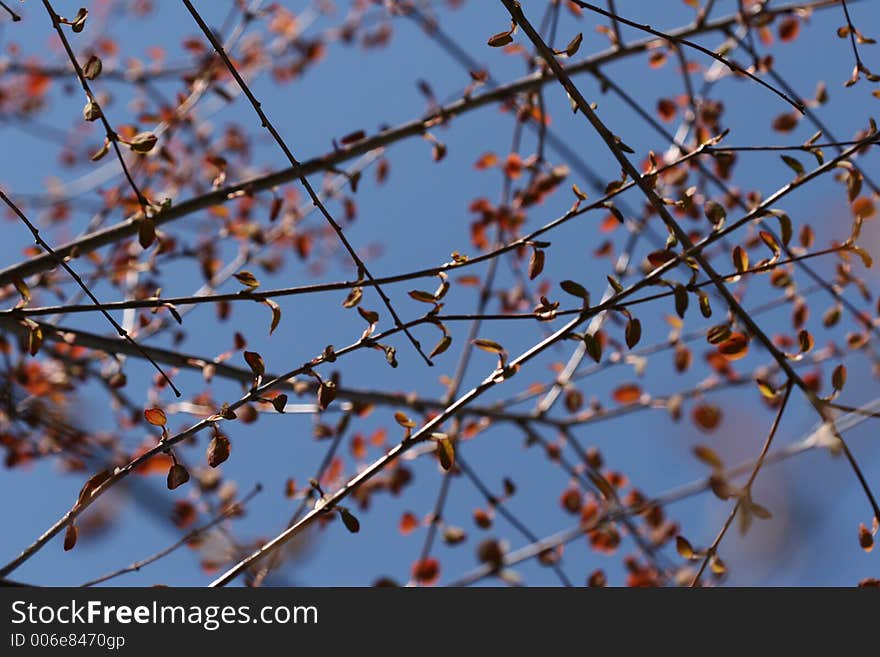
(708, 456)
(446, 453)
(684, 548)
(627, 394)
(707, 417)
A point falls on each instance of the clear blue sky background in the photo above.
(420, 216)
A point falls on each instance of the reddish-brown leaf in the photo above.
(866, 539)
(426, 571)
(155, 416)
(255, 362)
(177, 476)
(628, 393)
(789, 28)
(408, 523)
(70, 536)
(218, 450)
(707, 417)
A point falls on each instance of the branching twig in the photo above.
(613, 145)
(229, 510)
(97, 304)
(294, 163)
(816, 440)
(111, 135)
(744, 496)
(733, 66)
(852, 36)
(113, 234)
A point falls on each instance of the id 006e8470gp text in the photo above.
(67, 640)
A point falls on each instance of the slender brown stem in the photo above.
(704, 12)
(229, 510)
(686, 491)
(615, 24)
(111, 135)
(852, 35)
(613, 145)
(113, 234)
(294, 163)
(15, 17)
(96, 304)
(733, 66)
(745, 495)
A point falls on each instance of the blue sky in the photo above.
(419, 217)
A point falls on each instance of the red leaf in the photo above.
(426, 571)
(408, 523)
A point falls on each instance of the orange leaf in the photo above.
(408, 523)
(627, 394)
(486, 161)
(155, 416)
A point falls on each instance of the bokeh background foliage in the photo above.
(672, 403)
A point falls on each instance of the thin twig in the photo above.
(15, 17)
(113, 234)
(422, 434)
(229, 510)
(615, 24)
(852, 36)
(111, 135)
(745, 494)
(704, 12)
(733, 66)
(613, 145)
(97, 304)
(816, 440)
(294, 163)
